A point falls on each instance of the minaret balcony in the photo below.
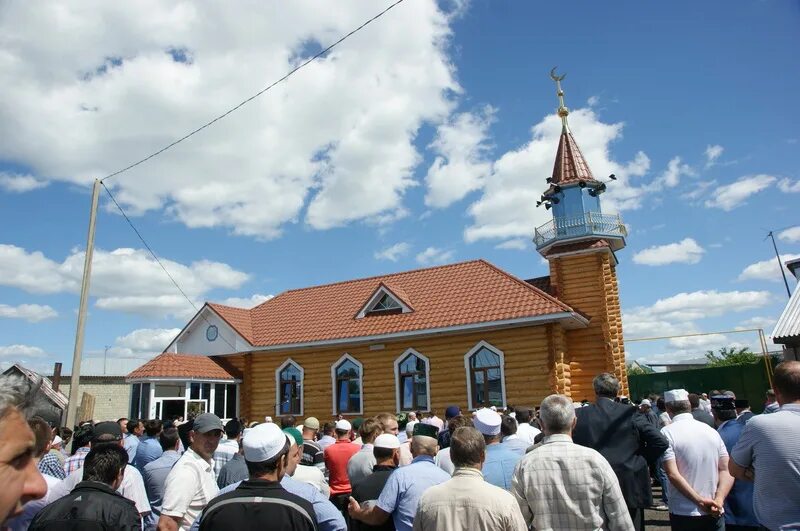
(586, 226)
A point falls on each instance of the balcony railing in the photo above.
(590, 223)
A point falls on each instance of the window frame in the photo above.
(474, 350)
(278, 387)
(335, 386)
(397, 379)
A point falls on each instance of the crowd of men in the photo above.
(559, 466)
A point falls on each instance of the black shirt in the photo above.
(90, 506)
(258, 504)
(312, 454)
(370, 488)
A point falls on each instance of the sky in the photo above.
(423, 139)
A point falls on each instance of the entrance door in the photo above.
(170, 409)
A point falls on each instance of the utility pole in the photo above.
(75, 378)
(105, 355)
(780, 265)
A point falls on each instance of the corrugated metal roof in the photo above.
(789, 323)
(58, 398)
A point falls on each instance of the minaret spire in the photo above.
(563, 111)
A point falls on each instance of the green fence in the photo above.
(747, 381)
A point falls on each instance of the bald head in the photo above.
(786, 382)
(421, 445)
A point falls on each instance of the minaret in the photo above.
(579, 243)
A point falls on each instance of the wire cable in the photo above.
(254, 96)
(158, 261)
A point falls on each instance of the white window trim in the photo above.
(497, 351)
(397, 391)
(285, 364)
(377, 296)
(338, 362)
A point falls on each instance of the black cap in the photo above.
(106, 432)
(741, 403)
(425, 430)
(723, 403)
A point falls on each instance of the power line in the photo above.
(254, 96)
(158, 261)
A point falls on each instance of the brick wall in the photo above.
(112, 396)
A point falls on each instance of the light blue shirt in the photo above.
(404, 488)
(515, 444)
(131, 444)
(155, 476)
(499, 465)
(149, 450)
(328, 518)
(739, 503)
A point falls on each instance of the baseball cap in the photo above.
(452, 411)
(312, 423)
(387, 440)
(343, 425)
(264, 442)
(106, 432)
(294, 435)
(207, 422)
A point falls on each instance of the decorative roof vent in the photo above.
(384, 302)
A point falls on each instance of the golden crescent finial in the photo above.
(554, 76)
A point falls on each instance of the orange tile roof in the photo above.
(182, 366)
(465, 293)
(570, 166)
(238, 318)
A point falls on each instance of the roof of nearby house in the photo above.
(183, 367)
(466, 293)
(788, 325)
(58, 398)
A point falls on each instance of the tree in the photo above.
(635, 369)
(728, 356)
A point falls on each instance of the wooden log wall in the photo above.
(588, 283)
(529, 362)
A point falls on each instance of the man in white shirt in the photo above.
(696, 464)
(190, 484)
(525, 431)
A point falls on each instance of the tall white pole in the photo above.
(75, 377)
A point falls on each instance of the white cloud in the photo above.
(251, 302)
(733, 195)
(758, 322)
(335, 141)
(787, 187)
(460, 166)
(712, 154)
(21, 351)
(671, 177)
(144, 342)
(124, 279)
(507, 208)
(698, 190)
(686, 251)
(790, 235)
(677, 314)
(700, 342)
(393, 253)
(32, 313)
(518, 244)
(593, 101)
(19, 184)
(767, 269)
(434, 255)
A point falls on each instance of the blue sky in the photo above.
(424, 139)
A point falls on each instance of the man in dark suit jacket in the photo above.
(625, 439)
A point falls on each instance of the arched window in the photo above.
(411, 379)
(485, 376)
(289, 389)
(346, 376)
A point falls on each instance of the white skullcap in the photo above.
(263, 442)
(57, 440)
(676, 395)
(410, 427)
(487, 421)
(343, 425)
(645, 402)
(493, 408)
(387, 440)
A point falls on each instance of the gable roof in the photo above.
(184, 367)
(453, 295)
(57, 398)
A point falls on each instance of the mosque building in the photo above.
(466, 333)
